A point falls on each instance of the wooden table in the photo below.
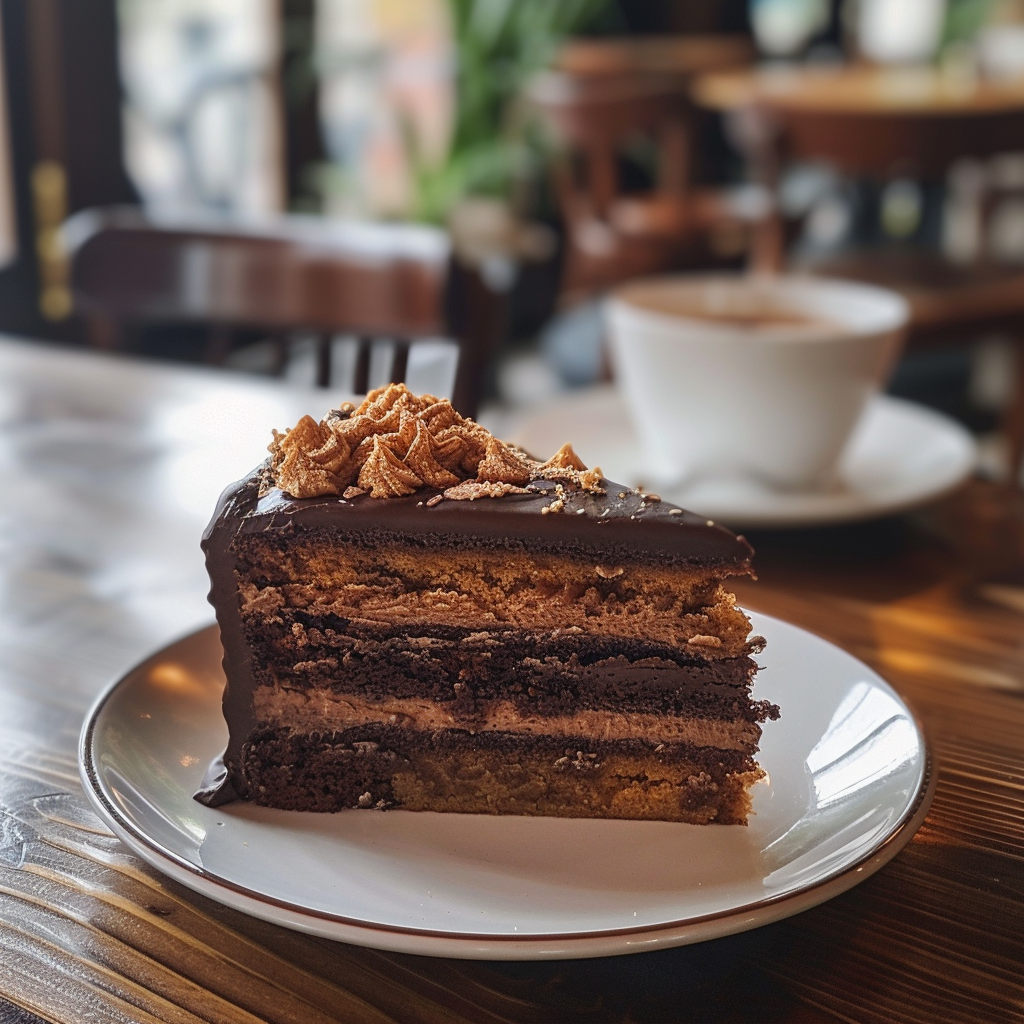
(110, 469)
(864, 120)
(860, 88)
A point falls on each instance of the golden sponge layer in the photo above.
(616, 786)
(476, 589)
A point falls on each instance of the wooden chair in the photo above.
(613, 234)
(952, 303)
(293, 274)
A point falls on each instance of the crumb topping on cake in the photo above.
(396, 443)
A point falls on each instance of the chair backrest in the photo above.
(593, 117)
(373, 281)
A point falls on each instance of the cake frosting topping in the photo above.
(396, 443)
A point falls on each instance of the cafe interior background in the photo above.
(465, 117)
(181, 184)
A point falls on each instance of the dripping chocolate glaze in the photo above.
(620, 524)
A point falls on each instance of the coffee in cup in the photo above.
(756, 376)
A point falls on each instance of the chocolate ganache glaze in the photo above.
(633, 525)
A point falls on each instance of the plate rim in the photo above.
(811, 516)
(469, 945)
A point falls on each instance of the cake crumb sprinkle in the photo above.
(705, 641)
(470, 490)
(579, 760)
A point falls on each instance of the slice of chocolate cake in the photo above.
(417, 615)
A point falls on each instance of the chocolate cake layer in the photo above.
(495, 774)
(446, 585)
(544, 673)
(322, 710)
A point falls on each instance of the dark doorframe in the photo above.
(63, 92)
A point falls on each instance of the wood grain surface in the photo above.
(110, 469)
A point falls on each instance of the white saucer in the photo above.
(901, 455)
(849, 784)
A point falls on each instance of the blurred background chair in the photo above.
(623, 177)
(398, 283)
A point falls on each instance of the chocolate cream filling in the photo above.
(548, 670)
(323, 711)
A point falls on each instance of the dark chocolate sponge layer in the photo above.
(381, 767)
(549, 674)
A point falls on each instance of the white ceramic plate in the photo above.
(901, 455)
(849, 784)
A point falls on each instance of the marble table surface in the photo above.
(110, 468)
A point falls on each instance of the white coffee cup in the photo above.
(753, 376)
